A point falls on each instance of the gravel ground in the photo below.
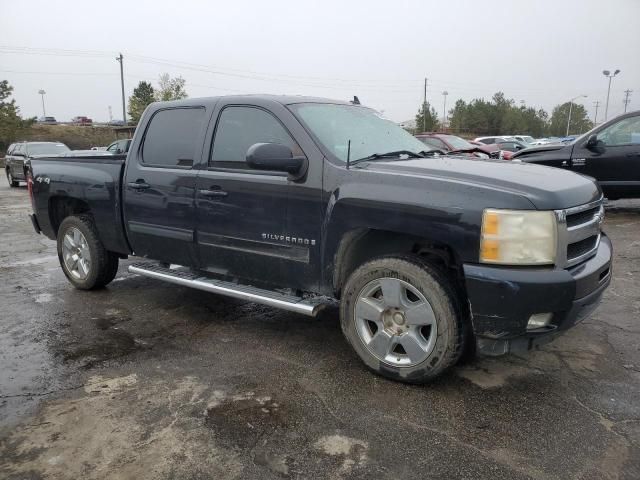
(148, 380)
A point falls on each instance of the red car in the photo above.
(452, 143)
(81, 120)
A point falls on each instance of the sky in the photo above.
(543, 52)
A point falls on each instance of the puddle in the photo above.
(244, 419)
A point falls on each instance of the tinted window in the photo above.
(239, 128)
(171, 138)
(624, 132)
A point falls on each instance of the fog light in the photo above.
(539, 320)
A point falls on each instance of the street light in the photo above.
(444, 109)
(609, 75)
(571, 105)
(42, 92)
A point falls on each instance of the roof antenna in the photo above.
(356, 100)
(348, 152)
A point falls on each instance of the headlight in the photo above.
(518, 237)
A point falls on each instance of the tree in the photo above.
(11, 124)
(579, 120)
(142, 96)
(170, 88)
(428, 122)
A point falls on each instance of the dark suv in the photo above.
(18, 153)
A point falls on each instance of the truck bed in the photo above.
(92, 180)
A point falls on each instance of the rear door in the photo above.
(615, 161)
(159, 186)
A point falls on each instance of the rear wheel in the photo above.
(402, 317)
(12, 183)
(83, 258)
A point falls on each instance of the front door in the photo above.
(615, 161)
(159, 186)
(242, 213)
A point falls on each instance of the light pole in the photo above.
(609, 75)
(444, 109)
(570, 106)
(42, 92)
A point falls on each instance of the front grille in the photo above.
(581, 217)
(579, 232)
(575, 250)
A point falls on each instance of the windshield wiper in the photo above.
(397, 153)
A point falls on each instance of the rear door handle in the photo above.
(139, 185)
(213, 192)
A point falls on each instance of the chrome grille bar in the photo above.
(589, 227)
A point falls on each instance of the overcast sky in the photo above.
(542, 52)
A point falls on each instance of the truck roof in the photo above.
(282, 99)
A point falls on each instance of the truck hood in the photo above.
(540, 149)
(546, 188)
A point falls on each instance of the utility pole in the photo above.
(124, 112)
(627, 100)
(444, 109)
(44, 113)
(424, 108)
(110, 114)
(595, 117)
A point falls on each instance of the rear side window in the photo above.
(239, 128)
(172, 136)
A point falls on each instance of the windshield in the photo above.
(334, 125)
(46, 148)
(458, 143)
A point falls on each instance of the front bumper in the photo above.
(503, 298)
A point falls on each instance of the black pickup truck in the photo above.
(610, 153)
(302, 203)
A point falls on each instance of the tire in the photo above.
(414, 305)
(83, 258)
(12, 183)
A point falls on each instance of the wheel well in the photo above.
(361, 245)
(63, 207)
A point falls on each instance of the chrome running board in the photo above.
(185, 277)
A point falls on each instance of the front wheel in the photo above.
(83, 258)
(403, 318)
(12, 183)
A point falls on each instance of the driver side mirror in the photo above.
(275, 157)
(592, 141)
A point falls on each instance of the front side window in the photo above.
(172, 136)
(624, 132)
(241, 127)
(335, 125)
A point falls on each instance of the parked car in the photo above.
(491, 140)
(48, 120)
(81, 120)
(508, 148)
(301, 203)
(526, 139)
(119, 146)
(451, 143)
(117, 123)
(610, 153)
(19, 153)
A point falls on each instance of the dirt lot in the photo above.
(148, 380)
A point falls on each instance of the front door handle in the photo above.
(139, 185)
(213, 193)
